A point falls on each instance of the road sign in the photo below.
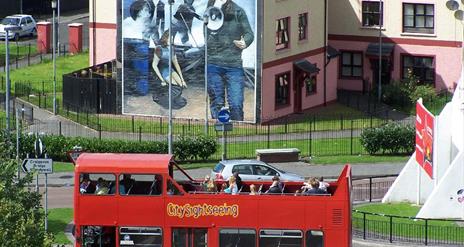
(223, 126)
(224, 115)
(42, 166)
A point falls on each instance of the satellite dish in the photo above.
(452, 5)
(459, 14)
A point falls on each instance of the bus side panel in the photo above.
(274, 211)
(315, 211)
(97, 210)
(338, 223)
(141, 211)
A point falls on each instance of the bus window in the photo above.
(97, 183)
(172, 189)
(140, 236)
(94, 236)
(314, 238)
(189, 237)
(237, 238)
(280, 238)
(140, 184)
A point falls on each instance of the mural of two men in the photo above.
(146, 54)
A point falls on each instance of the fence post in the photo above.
(426, 231)
(133, 125)
(29, 55)
(351, 139)
(140, 133)
(161, 126)
(99, 131)
(78, 111)
(188, 121)
(59, 128)
(341, 121)
(391, 229)
(43, 87)
(286, 125)
(364, 226)
(371, 120)
(40, 99)
(310, 139)
(268, 135)
(370, 189)
(32, 114)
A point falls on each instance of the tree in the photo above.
(21, 214)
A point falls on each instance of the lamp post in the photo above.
(171, 40)
(380, 50)
(17, 139)
(54, 56)
(8, 29)
(205, 33)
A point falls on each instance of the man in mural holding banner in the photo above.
(229, 33)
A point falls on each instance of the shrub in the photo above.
(186, 148)
(391, 138)
(426, 92)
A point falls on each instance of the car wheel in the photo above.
(34, 32)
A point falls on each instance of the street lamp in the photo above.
(18, 111)
(8, 29)
(54, 56)
(171, 40)
(205, 33)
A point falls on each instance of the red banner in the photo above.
(424, 138)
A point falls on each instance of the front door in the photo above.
(189, 237)
(386, 71)
(297, 85)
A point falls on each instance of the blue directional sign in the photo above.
(224, 116)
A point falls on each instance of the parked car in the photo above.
(25, 23)
(251, 170)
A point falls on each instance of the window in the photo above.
(242, 169)
(371, 14)
(421, 67)
(192, 237)
(302, 26)
(282, 33)
(237, 238)
(264, 170)
(97, 183)
(140, 184)
(310, 83)
(140, 236)
(418, 18)
(351, 64)
(281, 238)
(173, 190)
(314, 239)
(282, 87)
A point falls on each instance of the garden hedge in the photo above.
(391, 138)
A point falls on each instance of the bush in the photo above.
(391, 138)
(426, 92)
(185, 149)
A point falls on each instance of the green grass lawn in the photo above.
(355, 159)
(58, 218)
(44, 72)
(405, 226)
(59, 166)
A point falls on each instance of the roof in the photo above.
(374, 48)
(226, 162)
(305, 65)
(110, 162)
(19, 16)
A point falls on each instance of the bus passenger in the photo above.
(126, 184)
(238, 180)
(253, 190)
(85, 183)
(315, 190)
(323, 185)
(276, 186)
(232, 189)
(102, 187)
(211, 186)
(205, 182)
(223, 187)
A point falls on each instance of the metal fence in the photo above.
(369, 189)
(407, 229)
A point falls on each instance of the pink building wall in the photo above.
(105, 43)
(268, 107)
(447, 61)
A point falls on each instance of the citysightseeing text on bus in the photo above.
(201, 210)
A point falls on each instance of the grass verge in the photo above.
(58, 218)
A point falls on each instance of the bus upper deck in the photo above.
(118, 192)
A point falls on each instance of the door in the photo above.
(263, 172)
(386, 72)
(297, 85)
(189, 237)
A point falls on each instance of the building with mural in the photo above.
(268, 59)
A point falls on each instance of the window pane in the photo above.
(314, 239)
(96, 183)
(141, 236)
(429, 10)
(200, 237)
(140, 184)
(280, 238)
(346, 58)
(242, 169)
(409, 21)
(420, 9)
(429, 21)
(357, 71)
(409, 9)
(357, 60)
(237, 238)
(179, 237)
(428, 62)
(429, 75)
(407, 61)
(420, 21)
(346, 71)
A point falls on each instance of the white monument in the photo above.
(439, 184)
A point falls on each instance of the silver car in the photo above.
(26, 26)
(251, 170)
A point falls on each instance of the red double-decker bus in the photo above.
(147, 200)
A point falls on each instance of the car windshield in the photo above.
(10, 21)
(277, 169)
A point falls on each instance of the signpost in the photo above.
(41, 166)
(224, 125)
